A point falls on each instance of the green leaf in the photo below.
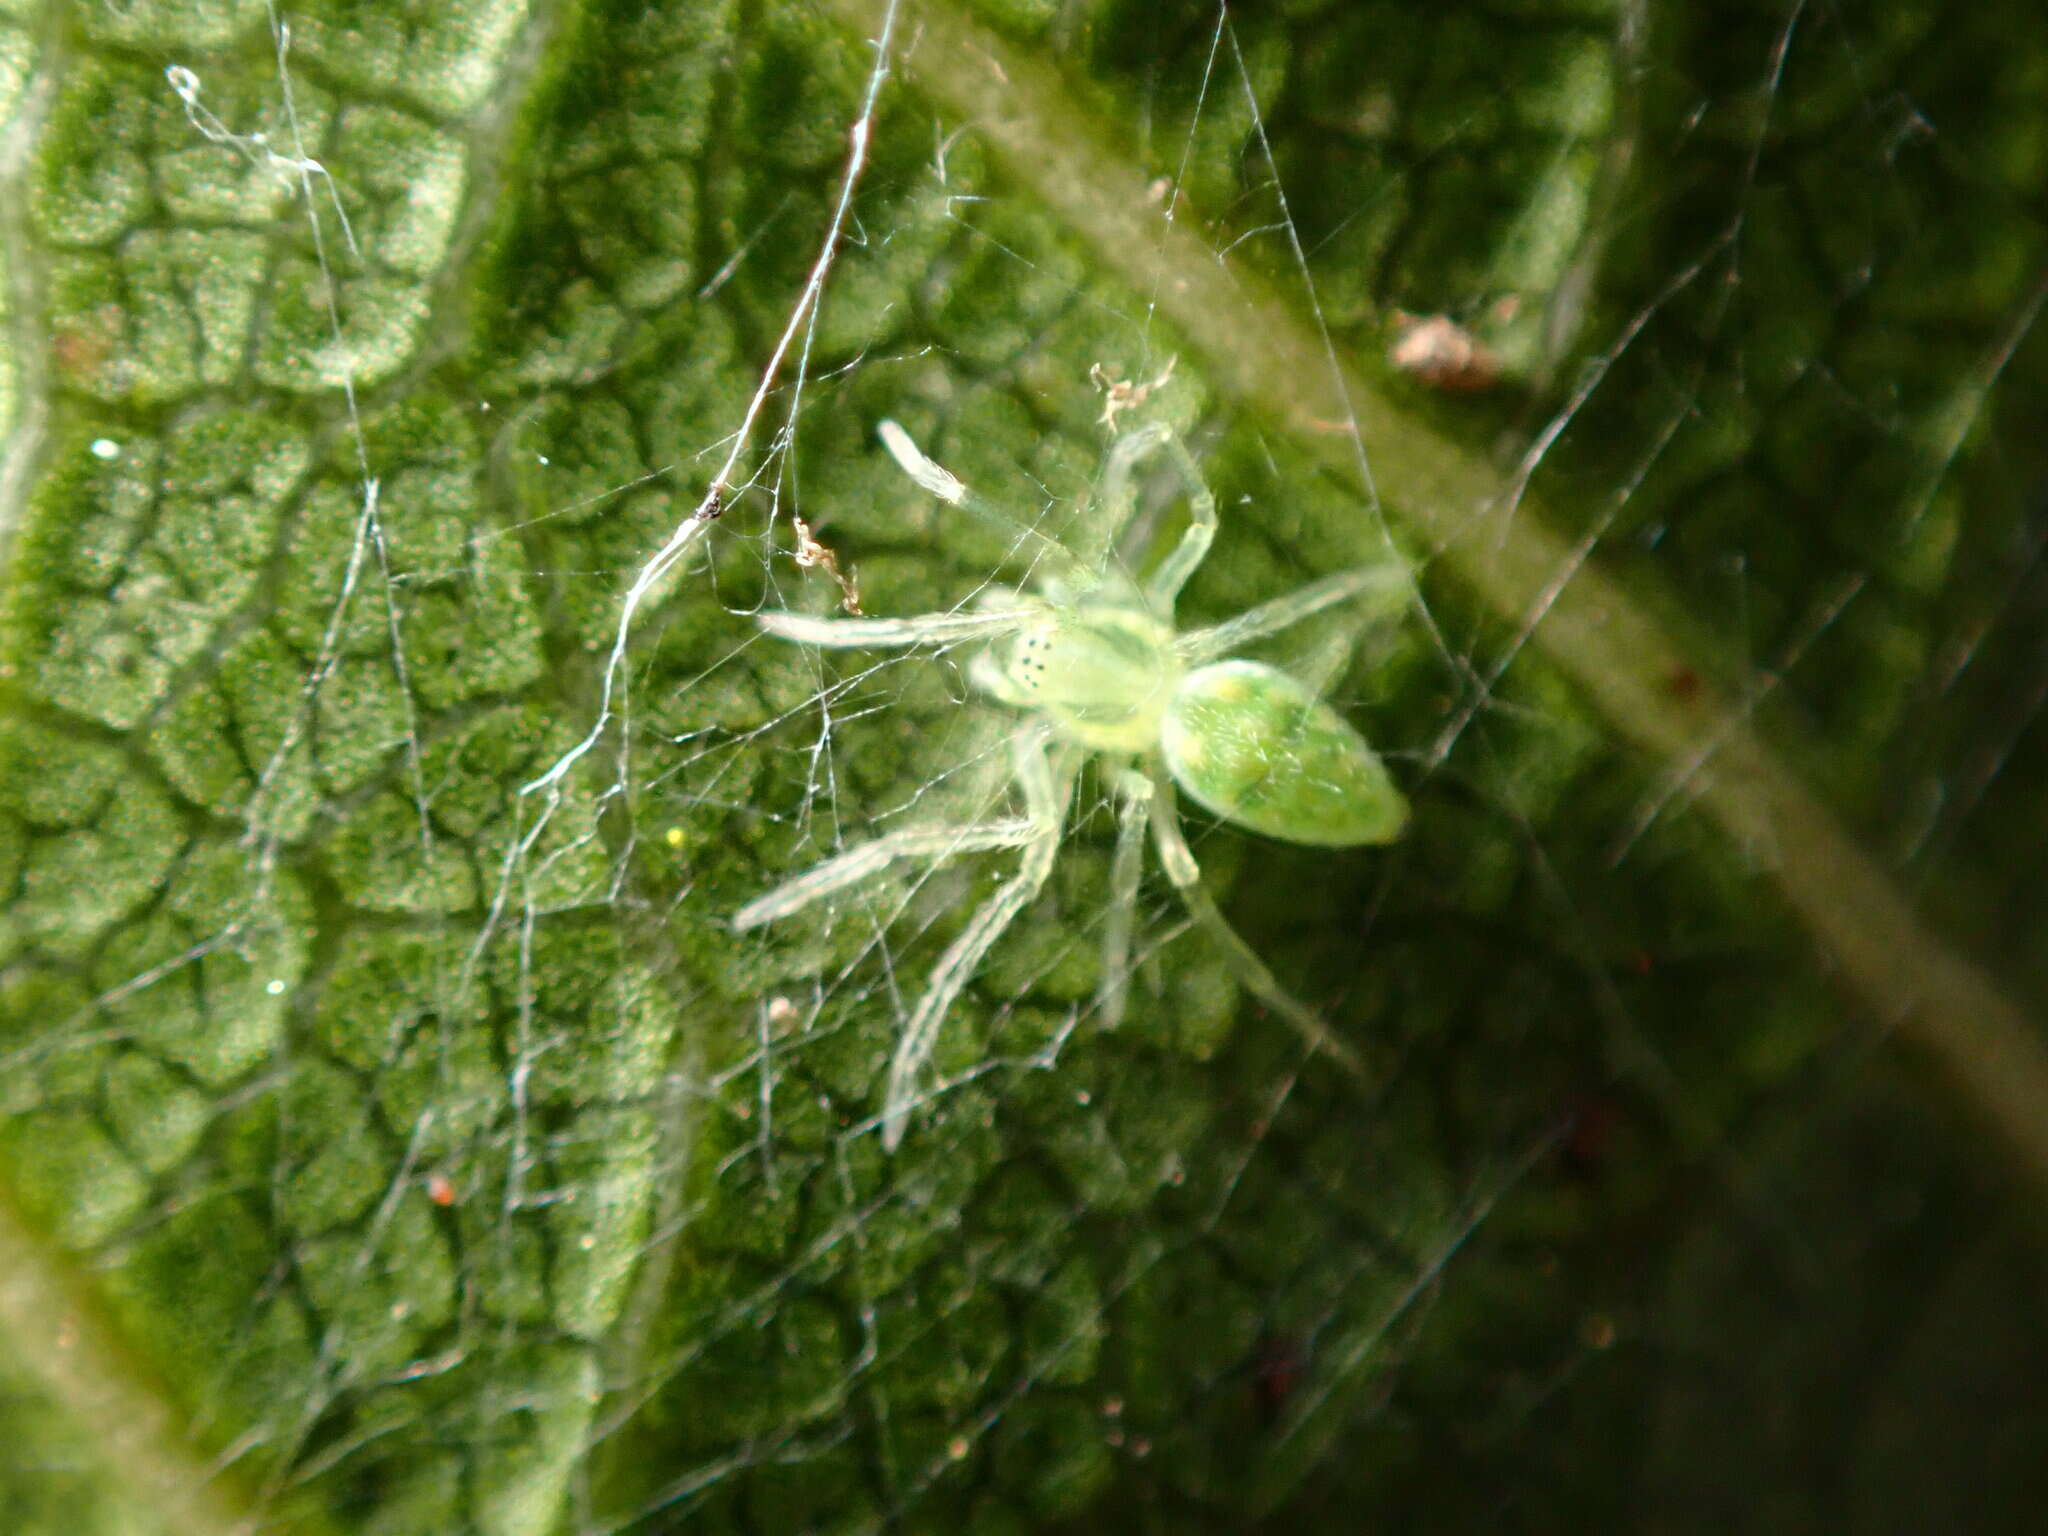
(408, 410)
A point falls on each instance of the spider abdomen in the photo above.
(1257, 748)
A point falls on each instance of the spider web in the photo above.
(410, 412)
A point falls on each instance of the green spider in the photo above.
(1094, 662)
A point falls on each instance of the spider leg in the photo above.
(1172, 573)
(1243, 960)
(941, 482)
(1117, 499)
(931, 844)
(1387, 590)
(1046, 789)
(922, 629)
(1116, 491)
(1134, 797)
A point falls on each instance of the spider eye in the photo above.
(1031, 657)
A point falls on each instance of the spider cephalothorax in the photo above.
(1095, 662)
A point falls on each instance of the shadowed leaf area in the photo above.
(408, 411)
